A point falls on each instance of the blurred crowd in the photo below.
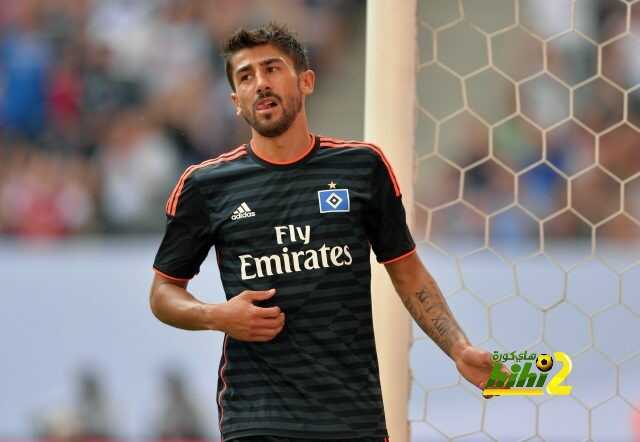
(92, 416)
(104, 103)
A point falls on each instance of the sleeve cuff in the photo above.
(173, 278)
(398, 258)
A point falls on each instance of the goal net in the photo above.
(526, 207)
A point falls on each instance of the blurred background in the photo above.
(527, 200)
(103, 104)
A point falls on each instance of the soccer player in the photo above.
(292, 217)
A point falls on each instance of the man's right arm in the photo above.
(172, 304)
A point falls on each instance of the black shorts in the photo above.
(290, 439)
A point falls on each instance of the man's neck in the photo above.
(285, 148)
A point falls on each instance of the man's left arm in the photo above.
(425, 302)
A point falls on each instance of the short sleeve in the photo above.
(385, 219)
(187, 238)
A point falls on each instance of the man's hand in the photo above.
(474, 365)
(426, 304)
(245, 321)
(239, 317)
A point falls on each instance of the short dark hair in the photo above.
(274, 34)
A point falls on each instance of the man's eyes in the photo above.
(248, 76)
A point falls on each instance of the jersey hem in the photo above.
(300, 434)
(399, 258)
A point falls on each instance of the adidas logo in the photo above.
(243, 211)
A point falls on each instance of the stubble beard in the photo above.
(270, 127)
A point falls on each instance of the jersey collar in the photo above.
(312, 146)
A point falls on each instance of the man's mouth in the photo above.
(266, 104)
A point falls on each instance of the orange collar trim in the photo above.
(312, 142)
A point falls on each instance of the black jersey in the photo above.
(306, 229)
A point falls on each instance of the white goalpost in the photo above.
(389, 122)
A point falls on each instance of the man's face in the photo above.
(269, 92)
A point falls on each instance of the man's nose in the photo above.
(262, 83)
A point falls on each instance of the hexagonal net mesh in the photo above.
(527, 203)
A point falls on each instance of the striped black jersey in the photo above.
(306, 229)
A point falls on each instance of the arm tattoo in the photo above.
(430, 311)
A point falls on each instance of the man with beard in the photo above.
(293, 216)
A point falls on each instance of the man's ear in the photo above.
(236, 104)
(307, 81)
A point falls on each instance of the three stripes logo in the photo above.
(243, 211)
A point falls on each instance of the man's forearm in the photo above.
(430, 310)
(175, 306)
(424, 301)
